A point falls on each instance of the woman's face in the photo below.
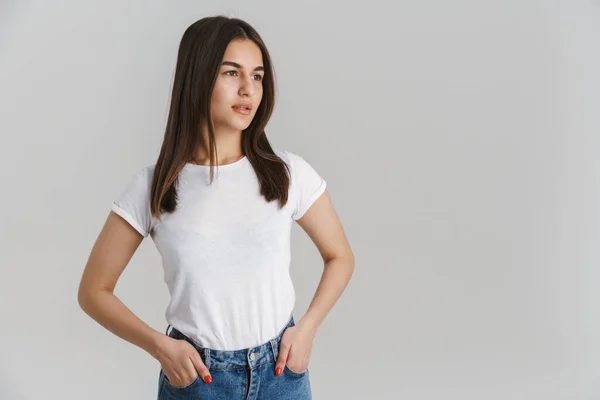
(239, 80)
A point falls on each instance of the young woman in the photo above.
(224, 238)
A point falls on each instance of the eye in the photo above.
(260, 78)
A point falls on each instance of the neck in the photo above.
(221, 160)
(229, 147)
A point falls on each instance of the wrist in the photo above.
(157, 343)
(309, 322)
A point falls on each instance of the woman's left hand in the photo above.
(295, 348)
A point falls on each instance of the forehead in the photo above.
(244, 52)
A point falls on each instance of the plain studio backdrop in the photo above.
(460, 143)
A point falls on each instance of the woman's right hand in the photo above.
(181, 362)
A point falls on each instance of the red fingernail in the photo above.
(278, 371)
(208, 379)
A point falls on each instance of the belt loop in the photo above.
(274, 348)
(207, 357)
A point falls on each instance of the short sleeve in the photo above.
(133, 203)
(307, 185)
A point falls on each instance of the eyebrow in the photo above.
(234, 64)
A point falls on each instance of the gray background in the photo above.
(460, 144)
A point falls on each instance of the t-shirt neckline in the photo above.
(220, 167)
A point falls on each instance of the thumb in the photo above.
(284, 349)
(201, 368)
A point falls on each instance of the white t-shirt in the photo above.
(225, 250)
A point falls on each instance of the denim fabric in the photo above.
(247, 374)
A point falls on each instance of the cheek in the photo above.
(220, 96)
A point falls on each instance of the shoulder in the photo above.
(139, 179)
(295, 161)
(306, 183)
(148, 169)
(145, 172)
(283, 154)
(301, 169)
(289, 157)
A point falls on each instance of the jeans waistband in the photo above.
(234, 359)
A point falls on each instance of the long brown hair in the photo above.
(200, 53)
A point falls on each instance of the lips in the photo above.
(242, 108)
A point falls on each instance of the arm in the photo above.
(111, 253)
(323, 226)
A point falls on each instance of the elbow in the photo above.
(83, 297)
(350, 265)
(346, 258)
(86, 297)
(350, 256)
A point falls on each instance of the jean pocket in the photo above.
(176, 387)
(294, 373)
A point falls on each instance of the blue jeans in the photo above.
(247, 374)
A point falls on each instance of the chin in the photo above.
(234, 125)
(240, 125)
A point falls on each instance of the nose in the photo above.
(246, 88)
